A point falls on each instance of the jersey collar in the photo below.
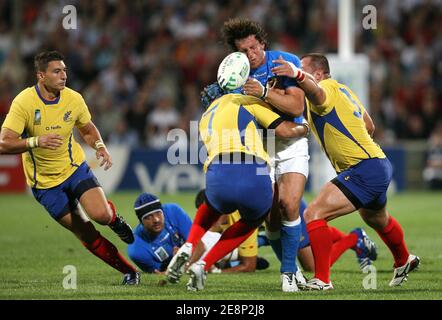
(44, 100)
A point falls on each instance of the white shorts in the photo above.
(290, 156)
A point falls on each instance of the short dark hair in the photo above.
(42, 59)
(319, 61)
(237, 29)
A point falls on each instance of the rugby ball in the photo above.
(233, 71)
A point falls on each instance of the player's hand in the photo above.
(156, 271)
(254, 88)
(50, 141)
(105, 157)
(286, 68)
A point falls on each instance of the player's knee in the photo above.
(289, 208)
(311, 214)
(377, 222)
(102, 216)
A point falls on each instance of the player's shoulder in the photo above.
(330, 84)
(25, 95)
(71, 94)
(138, 229)
(273, 55)
(172, 210)
(242, 99)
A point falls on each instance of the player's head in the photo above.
(248, 37)
(149, 211)
(200, 198)
(210, 93)
(317, 65)
(51, 70)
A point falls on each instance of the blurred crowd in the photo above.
(140, 65)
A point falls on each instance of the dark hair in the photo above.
(318, 61)
(200, 198)
(42, 59)
(237, 29)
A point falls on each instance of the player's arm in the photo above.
(313, 91)
(142, 259)
(92, 137)
(290, 101)
(271, 120)
(288, 129)
(11, 143)
(246, 264)
(369, 124)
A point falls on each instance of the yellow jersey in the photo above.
(231, 125)
(31, 115)
(249, 248)
(339, 127)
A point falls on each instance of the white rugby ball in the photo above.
(233, 71)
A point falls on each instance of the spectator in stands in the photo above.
(122, 44)
(433, 170)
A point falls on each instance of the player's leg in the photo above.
(375, 214)
(392, 234)
(291, 172)
(206, 216)
(230, 239)
(305, 257)
(104, 212)
(330, 203)
(253, 208)
(66, 212)
(84, 186)
(227, 195)
(78, 223)
(273, 225)
(341, 243)
(291, 188)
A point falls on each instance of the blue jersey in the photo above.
(264, 74)
(151, 254)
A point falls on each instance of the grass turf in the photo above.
(34, 249)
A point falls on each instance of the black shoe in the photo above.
(120, 227)
(261, 263)
(131, 279)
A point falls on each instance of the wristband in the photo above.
(300, 76)
(32, 142)
(264, 94)
(99, 144)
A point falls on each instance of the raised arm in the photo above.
(313, 91)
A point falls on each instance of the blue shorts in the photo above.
(366, 183)
(231, 187)
(60, 200)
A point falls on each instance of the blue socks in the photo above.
(290, 238)
(274, 239)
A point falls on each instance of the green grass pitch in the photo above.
(34, 250)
